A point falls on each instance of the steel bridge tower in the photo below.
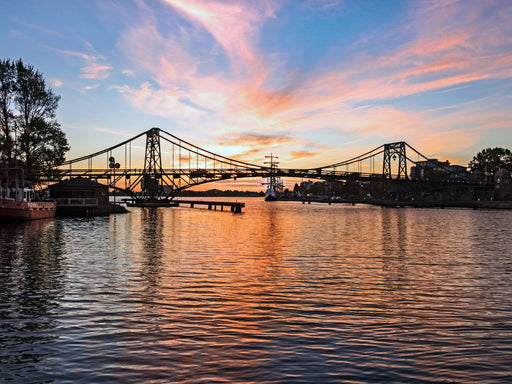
(393, 151)
(151, 183)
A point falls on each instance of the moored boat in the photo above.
(11, 209)
(18, 201)
(270, 194)
(273, 181)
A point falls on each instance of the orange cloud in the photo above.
(452, 44)
(301, 154)
(247, 155)
(256, 139)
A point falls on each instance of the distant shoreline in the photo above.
(472, 204)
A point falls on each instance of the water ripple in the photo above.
(284, 293)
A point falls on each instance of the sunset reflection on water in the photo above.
(283, 292)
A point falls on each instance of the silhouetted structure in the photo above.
(82, 197)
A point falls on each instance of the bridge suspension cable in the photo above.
(428, 161)
(374, 152)
(206, 153)
(103, 151)
(163, 176)
(159, 178)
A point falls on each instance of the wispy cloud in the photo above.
(36, 27)
(56, 82)
(160, 102)
(255, 139)
(96, 71)
(443, 45)
(294, 155)
(94, 68)
(235, 26)
(89, 87)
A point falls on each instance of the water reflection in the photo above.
(31, 283)
(394, 228)
(152, 224)
(284, 292)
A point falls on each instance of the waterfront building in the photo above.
(80, 197)
(435, 169)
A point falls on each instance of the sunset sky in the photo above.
(312, 81)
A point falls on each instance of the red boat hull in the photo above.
(23, 210)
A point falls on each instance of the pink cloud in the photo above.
(89, 87)
(96, 71)
(163, 57)
(159, 102)
(93, 68)
(431, 62)
(235, 25)
(452, 44)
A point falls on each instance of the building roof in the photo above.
(78, 182)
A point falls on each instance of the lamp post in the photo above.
(113, 165)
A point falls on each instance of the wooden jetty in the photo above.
(235, 207)
(150, 204)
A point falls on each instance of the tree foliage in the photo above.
(30, 134)
(490, 160)
(7, 88)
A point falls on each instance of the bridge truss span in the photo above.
(172, 165)
(166, 172)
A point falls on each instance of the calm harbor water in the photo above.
(282, 293)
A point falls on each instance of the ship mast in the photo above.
(272, 180)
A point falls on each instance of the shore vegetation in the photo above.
(30, 136)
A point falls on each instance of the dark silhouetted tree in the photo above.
(29, 109)
(37, 105)
(46, 144)
(490, 160)
(7, 85)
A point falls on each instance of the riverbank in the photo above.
(470, 204)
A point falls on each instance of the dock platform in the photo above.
(151, 204)
(235, 207)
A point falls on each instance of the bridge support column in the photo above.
(394, 151)
(151, 178)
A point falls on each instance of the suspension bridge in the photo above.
(186, 165)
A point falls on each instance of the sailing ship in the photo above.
(19, 201)
(274, 183)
